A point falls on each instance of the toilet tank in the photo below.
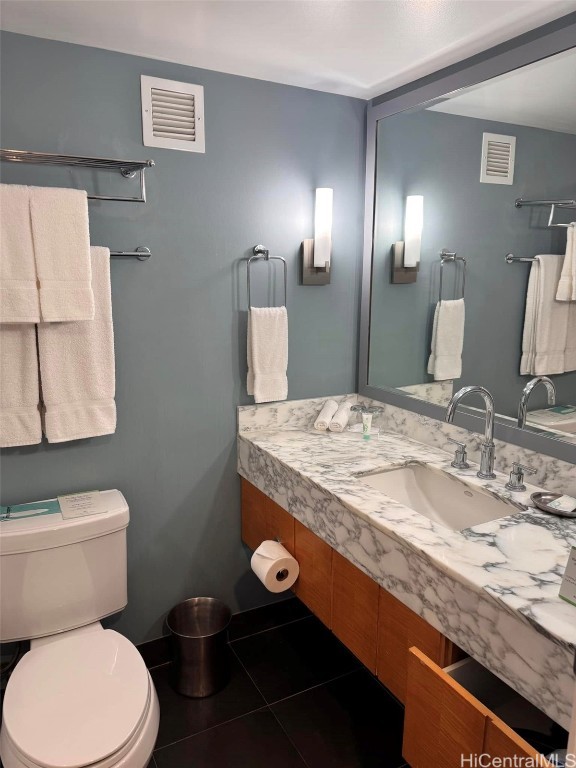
(57, 574)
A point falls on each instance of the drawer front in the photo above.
(444, 721)
(355, 610)
(314, 584)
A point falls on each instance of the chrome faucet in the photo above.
(527, 391)
(486, 471)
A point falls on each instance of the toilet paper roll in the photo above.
(275, 566)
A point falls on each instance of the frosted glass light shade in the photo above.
(323, 227)
(413, 230)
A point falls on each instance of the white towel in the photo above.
(45, 255)
(77, 366)
(340, 419)
(445, 360)
(545, 337)
(62, 253)
(267, 353)
(325, 416)
(567, 283)
(19, 389)
(19, 299)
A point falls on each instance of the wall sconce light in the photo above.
(406, 253)
(316, 253)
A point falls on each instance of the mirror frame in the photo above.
(541, 43)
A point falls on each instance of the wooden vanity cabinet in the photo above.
(443, 721)
(355, 610)
(399, 629)
(263, 519)
(314, 584)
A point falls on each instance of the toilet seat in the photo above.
(76, 702)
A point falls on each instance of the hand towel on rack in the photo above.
(77, 366)
(19, 388)
(325, 416)
(445, 360)
(546, 320)
(19, 299)
(268, 353)
(567, 283)
(341, 417)
(62, 253)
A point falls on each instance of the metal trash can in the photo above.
(199, 628)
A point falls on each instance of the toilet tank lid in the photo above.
(46, 531)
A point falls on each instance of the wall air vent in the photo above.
(497, 159)
(172, 114)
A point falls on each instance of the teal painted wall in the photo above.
(180, 318)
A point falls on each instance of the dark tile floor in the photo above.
(296, 699)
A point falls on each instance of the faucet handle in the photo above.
(516, 481)
(460, 455)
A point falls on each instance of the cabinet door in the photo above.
(263, 519)
(502, 741)
(355, 610)
(399, 628)
(314, 585)
(442, 720)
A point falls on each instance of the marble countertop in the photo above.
(517, 560)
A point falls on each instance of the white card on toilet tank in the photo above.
(81, 504)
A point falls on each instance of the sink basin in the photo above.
(438, 496)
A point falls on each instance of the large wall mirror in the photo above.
(465, 190)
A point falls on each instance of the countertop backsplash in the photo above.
(552, 474)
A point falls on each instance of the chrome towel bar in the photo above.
(128, 168)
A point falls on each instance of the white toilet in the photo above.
(82, 695)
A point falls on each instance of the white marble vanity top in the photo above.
(518, 560)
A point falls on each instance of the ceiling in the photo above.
(540, 95)
(353, 47)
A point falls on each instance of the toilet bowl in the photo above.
(83, 699)
(82, 695)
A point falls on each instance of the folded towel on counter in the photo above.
(325, 416)
(19, 388)
(19, 298)
(267, 349)
(545, 337)
(45, 255)
(567, 284)
(62, 253)
(340, 419)
(77, 366)
(445, 360)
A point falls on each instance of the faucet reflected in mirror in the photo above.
(527, 391)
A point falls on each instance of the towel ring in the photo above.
(446, 256)
(260, 252)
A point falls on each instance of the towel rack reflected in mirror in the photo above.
(511, 259)
(260, 252)
(562, 204)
